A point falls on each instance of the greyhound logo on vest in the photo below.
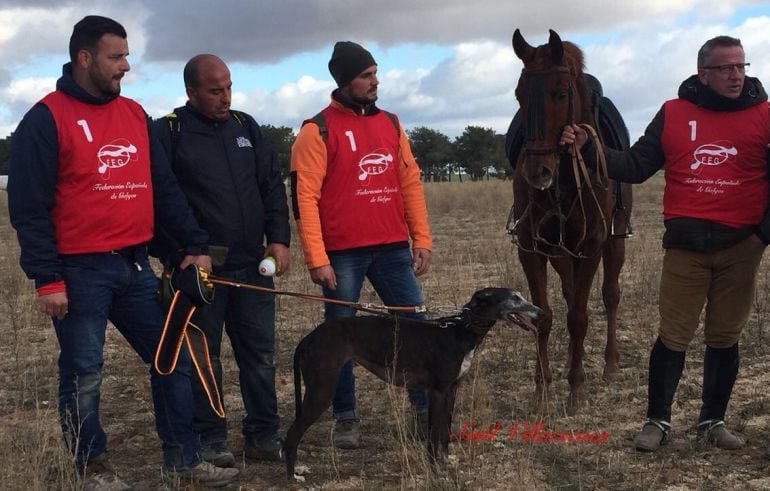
(715, 153)
(374, 164)
(115, 155)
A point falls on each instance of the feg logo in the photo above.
(375, 163)
(114, 155)
(715, 153)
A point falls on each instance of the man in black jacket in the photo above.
(85, 181)
(232, 180)
(712, 142)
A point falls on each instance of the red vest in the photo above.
(103, 197)
(716, 163)
(361, 202)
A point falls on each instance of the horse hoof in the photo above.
(573, 405)
(611, 371)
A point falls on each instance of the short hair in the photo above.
(705, 51)
(192, 69)
(190, 74)
(87, 33)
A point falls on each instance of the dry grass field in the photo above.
(471, 251)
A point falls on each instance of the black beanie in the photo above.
(348, 60)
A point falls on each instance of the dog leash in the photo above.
(364, 307)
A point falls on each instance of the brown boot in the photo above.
(653, 435)
(716, 433)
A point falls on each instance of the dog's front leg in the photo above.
(440, 406)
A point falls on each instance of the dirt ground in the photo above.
(471, 251)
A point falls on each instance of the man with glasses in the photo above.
(713, 144)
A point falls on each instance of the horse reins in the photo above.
(535, 130)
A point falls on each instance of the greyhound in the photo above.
(411, 353)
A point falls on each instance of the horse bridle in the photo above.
(535, 117)
(535, 129)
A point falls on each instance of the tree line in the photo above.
(478, 153)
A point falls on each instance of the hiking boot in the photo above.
(203, 474)
(270, 451)
(653, 435)
(716, 433)
(347, 434)
(218, 454)
(417, 425)
(100, 476)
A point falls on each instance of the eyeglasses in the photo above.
(728, 69)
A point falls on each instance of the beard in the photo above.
(364, 99)
(107, 85)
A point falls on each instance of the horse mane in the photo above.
(575, 60)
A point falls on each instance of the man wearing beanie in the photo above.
(358, 201)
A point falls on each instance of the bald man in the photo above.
(231, 177)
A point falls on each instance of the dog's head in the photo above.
(506, 305)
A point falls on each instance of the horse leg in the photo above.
(564, 268)
(577, 325)
(534, 266)
(614, 255)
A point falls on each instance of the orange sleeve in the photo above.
(308, 162)
(414, 197)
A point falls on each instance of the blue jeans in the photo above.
(248, 317)
(390, 273)
(108, 286)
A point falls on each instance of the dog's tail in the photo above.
(298, 381)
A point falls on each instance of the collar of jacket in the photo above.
(694, 91)
(204, 119)
(68, 85)
(346, 102)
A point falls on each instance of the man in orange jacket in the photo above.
(358, 200)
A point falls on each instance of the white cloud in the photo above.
(641, 51)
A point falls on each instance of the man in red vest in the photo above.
(84, 184)
(357, 201)
(712, 142)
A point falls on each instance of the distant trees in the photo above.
(433, 152)
(282, 138)
(478, 152)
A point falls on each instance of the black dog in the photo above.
(416, 354)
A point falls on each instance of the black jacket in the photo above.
(32, 180)
(232, 179)
(646, 157)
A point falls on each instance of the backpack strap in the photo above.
(319, 120)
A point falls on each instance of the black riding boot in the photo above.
(720, 369)
(665, 371)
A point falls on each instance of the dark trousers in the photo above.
(249, 318)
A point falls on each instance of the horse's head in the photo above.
(552, 93)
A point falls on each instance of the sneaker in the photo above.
(218, 454)
(347, 434)
(270, 451)
(203, 474)
(653, 435)
(716, 433)
(100, 476)
(417, 424)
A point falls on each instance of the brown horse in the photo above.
(563, 211)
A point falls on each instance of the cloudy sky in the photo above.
(444, 64)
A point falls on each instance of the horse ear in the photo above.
(521, 47)
(555, 45)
